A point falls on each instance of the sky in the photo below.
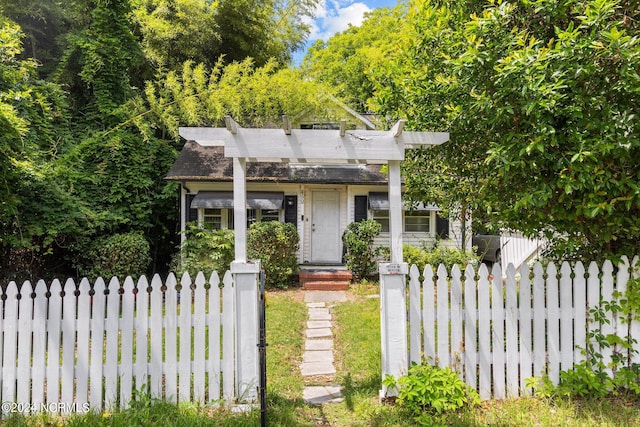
(333, 16)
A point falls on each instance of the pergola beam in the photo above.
(286, 125)
(232, 125)
(396, 130)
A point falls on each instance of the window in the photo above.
(382, 217)
(417, 221)
(269, 215)
(262, 215)
(212, 219)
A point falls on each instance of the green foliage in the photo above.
(119, 255)
(204, 250)
(121, 177)
(595, 376)
(173, 32)
(36, 212)
(450, 257)
(351, 61)
(254, 97)
(275, 244)
(358, 242)
(42, 21)
(99, 61)
(427, 390)
(202, 31)
(540, 100)
(264, 30)
(435, 255)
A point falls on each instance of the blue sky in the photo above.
(333, 16)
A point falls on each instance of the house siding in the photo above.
(303, 194)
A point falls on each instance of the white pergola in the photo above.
(314, 147)
(318, 147)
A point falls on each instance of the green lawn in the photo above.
(357, 358)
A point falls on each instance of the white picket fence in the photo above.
(498, 332)
(74, 347)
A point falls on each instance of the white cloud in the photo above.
(335, 16)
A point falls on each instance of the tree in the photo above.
(172, 32)
(201, 31)
(98, 62)
(254, 97)
(264, 30)
(35, 212)
(541, 99)
(351, 62)
(43, 23)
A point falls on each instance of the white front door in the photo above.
(326, 242)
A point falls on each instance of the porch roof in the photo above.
(208, 163)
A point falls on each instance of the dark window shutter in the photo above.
(442, 227)
(291, 210)
(191, 215)
(361, 207)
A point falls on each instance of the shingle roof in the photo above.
(200, 163)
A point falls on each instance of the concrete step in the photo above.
(318, 395)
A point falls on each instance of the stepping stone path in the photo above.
(317, 361)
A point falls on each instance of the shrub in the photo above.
(428, 390)
(275, 244)
(449, 257)
(360, 254)
(414, 255)
(121, 255)
(436, 256)
(204, 250)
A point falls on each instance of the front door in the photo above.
(326, 244)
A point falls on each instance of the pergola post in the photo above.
(240, 208)
(246, 277)
(393, 316)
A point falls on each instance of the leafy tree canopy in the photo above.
(541, 98)
(43, 22)
(353, 61)
(201, 31)
(34, 210)
(255, 97)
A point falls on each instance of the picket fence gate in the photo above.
(71, 348)
(497, 332)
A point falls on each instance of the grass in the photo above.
(357, 359)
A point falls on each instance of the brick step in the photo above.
(327, 285)
(325, 275)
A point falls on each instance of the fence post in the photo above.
(246, 279)
(393, 322)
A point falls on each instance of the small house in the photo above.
(319, 198)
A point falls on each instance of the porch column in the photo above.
(393, 308)
(240, 208)
(395, 212)
(246, 276)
